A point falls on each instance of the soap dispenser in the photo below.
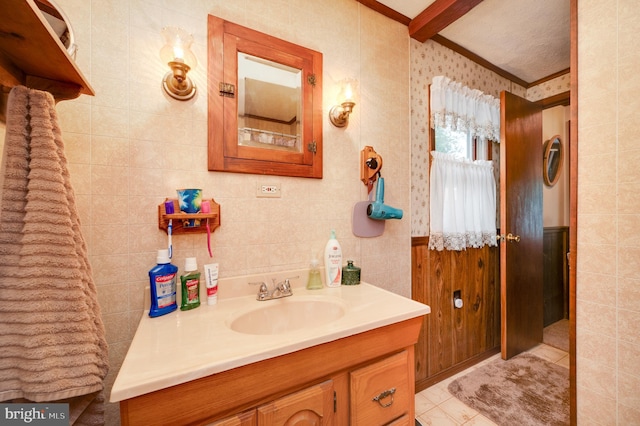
(315, 281)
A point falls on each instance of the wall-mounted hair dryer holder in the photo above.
(370, 165)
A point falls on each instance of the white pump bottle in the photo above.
(333, 261)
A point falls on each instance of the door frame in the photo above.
(573, 208)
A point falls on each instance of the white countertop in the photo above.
(186, 345)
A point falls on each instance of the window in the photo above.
(462, 188)
(461, 144)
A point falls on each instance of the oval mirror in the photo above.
(553, 159)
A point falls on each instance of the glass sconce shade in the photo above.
(339, 114)
(177, 53)
(177, 46)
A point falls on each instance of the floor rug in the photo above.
(525, 390)
(557, 335)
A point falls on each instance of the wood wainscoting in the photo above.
(453, 339)
(556, 274)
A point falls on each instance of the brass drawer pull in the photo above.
(383, 395)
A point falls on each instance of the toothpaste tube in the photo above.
(211, 282)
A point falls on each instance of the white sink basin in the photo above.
(286, 315)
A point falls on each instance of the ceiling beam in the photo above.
(439, 15)
(386, 11)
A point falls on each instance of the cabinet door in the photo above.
(248, 418)
(381, 392)
(312, 406)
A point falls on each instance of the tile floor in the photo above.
(436, 406)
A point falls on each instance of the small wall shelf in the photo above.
(179, 219)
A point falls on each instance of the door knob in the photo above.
(513, 238)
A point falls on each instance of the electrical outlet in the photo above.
(271, 190)
(457, 299)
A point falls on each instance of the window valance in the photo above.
(461, 108)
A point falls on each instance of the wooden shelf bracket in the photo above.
(188, 223)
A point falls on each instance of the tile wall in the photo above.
(130, 146)
(608, 261)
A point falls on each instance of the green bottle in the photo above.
(315, 281)
(350, 274)
(190, 285)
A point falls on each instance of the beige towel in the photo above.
(52, 342)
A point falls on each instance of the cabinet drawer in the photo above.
(381, 392)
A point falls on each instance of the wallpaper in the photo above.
(549, 88)
(430, 59)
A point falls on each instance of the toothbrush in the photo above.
(169, 232)
(168, 209)
(209, 238)
(206, 208)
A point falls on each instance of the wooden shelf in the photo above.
(31, 54)
(179, 219)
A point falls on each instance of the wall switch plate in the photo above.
(268, 190)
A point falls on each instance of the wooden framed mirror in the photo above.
(265, 103)
(552, 160)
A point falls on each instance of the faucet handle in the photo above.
(263, 291)
(286, 286)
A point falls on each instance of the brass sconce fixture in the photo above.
(339, 114)
(176, 53)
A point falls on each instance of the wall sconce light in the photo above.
(339, 114)
(176, 52)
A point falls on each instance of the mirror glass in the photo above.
(553, 159)
(269, 104)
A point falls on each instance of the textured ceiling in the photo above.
(527, 38)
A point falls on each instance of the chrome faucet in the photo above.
(280, 290)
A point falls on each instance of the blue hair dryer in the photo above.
(378, 210)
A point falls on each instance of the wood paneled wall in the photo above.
(556, 274)
(453, 339)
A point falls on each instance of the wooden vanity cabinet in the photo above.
(379, 394)
(330, 384)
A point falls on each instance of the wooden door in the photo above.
(521, 250)
(309, 407)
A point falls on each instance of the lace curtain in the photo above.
(462, 203)
(463, 109)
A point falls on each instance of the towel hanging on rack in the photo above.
(52, 339)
